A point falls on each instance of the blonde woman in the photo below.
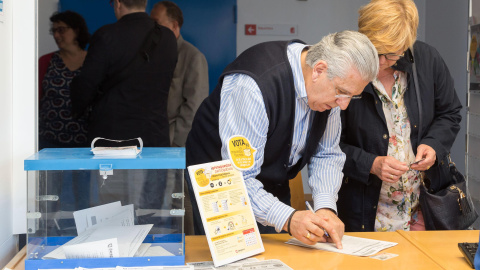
(380, 136)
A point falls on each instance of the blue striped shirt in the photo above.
(242, 112)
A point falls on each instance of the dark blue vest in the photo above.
(267, 63)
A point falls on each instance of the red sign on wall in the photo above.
(250, 29)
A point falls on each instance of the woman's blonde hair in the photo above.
(391, 25)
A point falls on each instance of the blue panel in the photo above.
(83, 159)
(54, 242)
(210, 25)
(96, 13)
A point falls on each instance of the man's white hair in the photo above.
(343, 51)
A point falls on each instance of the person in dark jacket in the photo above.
(284, 99)
(382, 132)
(127, 106)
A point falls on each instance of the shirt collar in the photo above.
(294, 52)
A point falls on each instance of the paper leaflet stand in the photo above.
(226, 212)
(51, 200)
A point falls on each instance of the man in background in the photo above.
(125, 81)
(188, 89)
(133, 104)
(190, 79)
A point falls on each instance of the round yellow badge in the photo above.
(200, 177)
(241, 152)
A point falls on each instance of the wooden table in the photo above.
(442, 246)
(304, 258)
(416, 250)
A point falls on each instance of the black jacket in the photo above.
(365, 134)
(136, 107)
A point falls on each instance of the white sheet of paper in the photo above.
(142, 249)
(351, 245)
(208, 265)
(128, 238)
(86, 218)
(107, 248)
(176, 267)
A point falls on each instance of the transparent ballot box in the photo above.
(105, 211)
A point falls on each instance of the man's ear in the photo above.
(318, 69)
(175, 25)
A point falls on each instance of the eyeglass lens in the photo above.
(60, 29)
(393, 57)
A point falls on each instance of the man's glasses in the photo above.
(392, 56)
(337, 95)
(60, 30)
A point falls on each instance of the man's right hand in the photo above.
(388, 168)
(306, 223)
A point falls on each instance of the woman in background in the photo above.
(381, 137)
(57, 128)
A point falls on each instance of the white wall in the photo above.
(24, 105)
(7, 240)
(447, 31)
(315, 19)
(46, 44)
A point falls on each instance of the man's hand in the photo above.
(388, 168)
(335, 227)
(309, 227)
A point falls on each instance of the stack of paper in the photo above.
(123, 151)
(105, 231)
(116, 151)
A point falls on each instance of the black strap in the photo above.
(143, 55)
(417, 90)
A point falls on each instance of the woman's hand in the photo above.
(427, 152)
(388, 169)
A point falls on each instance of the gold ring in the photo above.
(308, 235)
(391, 176)
(428, 167)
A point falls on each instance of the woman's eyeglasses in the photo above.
(392, 56)
(60, 30)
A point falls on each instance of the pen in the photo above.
(311, 209)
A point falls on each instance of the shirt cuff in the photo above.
(325, 200)
(278, 215)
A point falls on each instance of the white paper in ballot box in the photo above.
(107, 248)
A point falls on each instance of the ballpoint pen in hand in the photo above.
(311, 209)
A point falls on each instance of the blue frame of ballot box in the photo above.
(83, 159)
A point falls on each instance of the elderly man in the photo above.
(284, 99)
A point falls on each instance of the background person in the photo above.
(285, 98)
(188, 89)
(57, 128)
(380, 135)
(136, 104)
(133, 104)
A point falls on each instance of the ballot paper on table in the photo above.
(102, 239)
(114, 213)
(245, 264)
(351, 245)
